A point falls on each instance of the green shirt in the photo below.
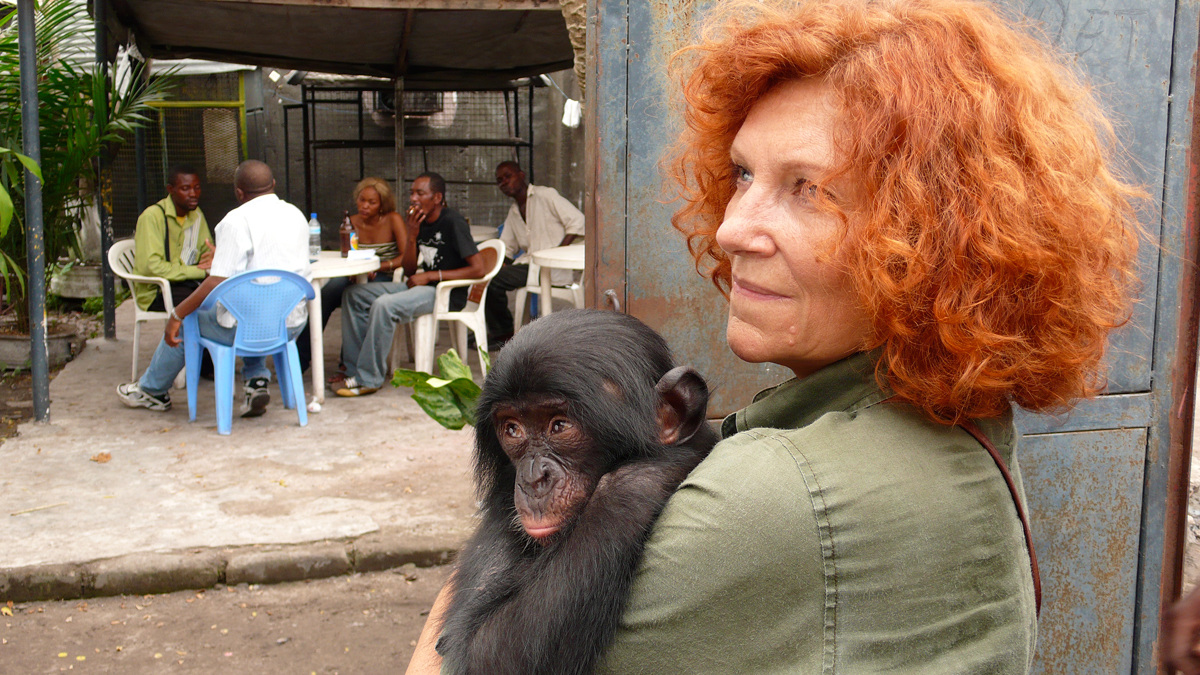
(831, 532)
(150, 258)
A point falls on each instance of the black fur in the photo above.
(523, 608)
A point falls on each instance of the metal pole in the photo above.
(35, 243)
(139, 150)
(308, 172)
(103, 188)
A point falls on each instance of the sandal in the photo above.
(351, 387)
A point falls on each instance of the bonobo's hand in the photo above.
(1181, 636)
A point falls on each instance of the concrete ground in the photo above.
(107, 500)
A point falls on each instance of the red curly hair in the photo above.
(995, 248)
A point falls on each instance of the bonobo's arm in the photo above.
(485, 576)
(568, 609)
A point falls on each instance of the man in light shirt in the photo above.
(539, 219)
(263, 233)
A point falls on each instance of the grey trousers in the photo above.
(370, 313)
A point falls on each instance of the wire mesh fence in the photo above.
(460, 135)
(206, 138)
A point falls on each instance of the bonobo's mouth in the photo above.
(542, 533)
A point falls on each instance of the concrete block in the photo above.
(41, 582)
(386, 550)
(269, 567)
(143, 573)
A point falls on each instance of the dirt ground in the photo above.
(16, 386)
(364, 624)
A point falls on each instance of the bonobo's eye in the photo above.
(560, 425)
(513, 430)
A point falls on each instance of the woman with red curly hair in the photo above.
(909, 203)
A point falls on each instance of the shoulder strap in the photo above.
(166, 233)
(975, 431)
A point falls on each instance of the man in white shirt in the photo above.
(539, 219)
(263, 233)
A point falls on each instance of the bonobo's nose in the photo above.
(536, 474)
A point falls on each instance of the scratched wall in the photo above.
(1097, 480)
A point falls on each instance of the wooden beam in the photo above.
(523, 5)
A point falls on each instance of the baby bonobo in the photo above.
(584, 429)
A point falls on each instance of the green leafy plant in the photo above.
(75, 128)
(449, 399)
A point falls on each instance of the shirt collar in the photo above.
(845, 385)
(168, 206)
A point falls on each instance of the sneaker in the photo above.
(257, 397)
(132, 395)
(351, 387)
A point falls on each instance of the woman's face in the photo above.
(368, 203)
(790, 302)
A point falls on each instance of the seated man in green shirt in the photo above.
(173, 241)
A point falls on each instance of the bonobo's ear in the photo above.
(684, 403)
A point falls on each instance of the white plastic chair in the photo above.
(425, 328)
(122, 259)
(533, 284)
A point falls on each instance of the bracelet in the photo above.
(175, 316)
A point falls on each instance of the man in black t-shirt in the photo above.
(439, 248)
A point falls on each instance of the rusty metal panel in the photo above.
(1085, 500)
(605, 137)
(1174, 357)
(1125, 50)
(1112, 571)
(633, 250)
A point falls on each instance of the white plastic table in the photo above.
(561, 257)
(330, 265)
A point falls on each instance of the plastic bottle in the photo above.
(314, 239)
(349, 238)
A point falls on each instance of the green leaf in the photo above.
(408, 378)
(450, 400)
(451, 366)
(6, 210)
(442, 408)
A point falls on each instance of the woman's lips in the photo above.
(753, 291)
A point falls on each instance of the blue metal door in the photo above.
(1105, 484)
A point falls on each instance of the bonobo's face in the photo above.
(557, 469)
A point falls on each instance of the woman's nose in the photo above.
(745, 227)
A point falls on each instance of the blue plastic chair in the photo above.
(261, 301)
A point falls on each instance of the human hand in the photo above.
(419, 279)
(414, 217)
(1181, 635)
(171, 334)
(206, 257)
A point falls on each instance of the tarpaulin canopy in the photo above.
(434, 44)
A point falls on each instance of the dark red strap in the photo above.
(975, 431)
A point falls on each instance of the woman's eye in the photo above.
(744, 177)
(806, 188)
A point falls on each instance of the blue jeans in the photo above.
(168, 361)
(370, 313)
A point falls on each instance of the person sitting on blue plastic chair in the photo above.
(264, 232)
